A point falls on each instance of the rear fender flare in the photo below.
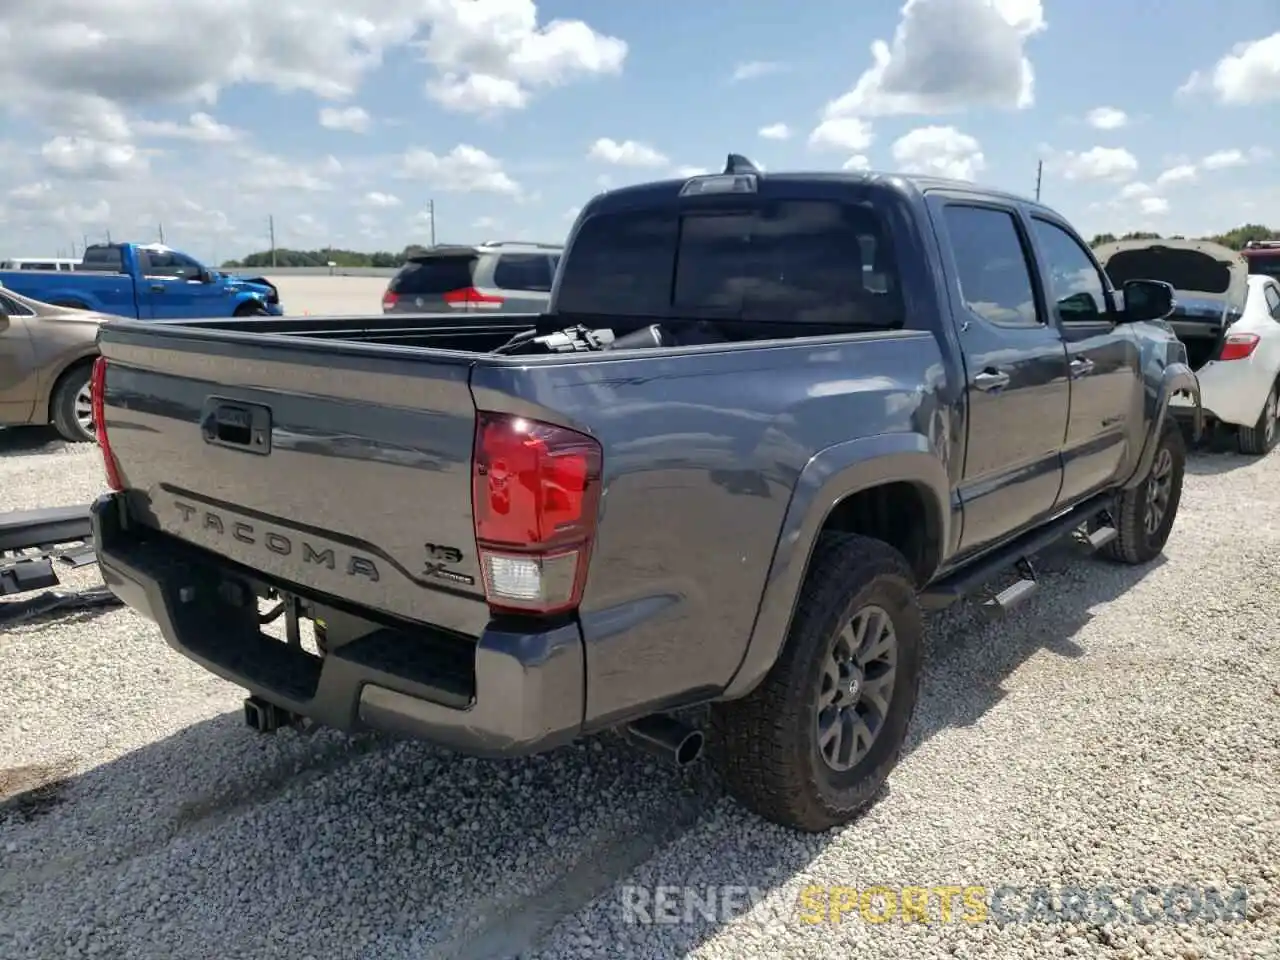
(829, 477)
(1177, 378)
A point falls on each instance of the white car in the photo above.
(1229, 322)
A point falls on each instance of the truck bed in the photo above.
(371, 430)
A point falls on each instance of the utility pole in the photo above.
(431, 216)
(108, 235)
(271, 226)
(1039, 171)
(161, 234)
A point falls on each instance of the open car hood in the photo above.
(1207, 277)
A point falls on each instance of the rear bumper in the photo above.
(1233, 392)
(509, 693)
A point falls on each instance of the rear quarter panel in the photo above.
(59, 346)
(703, 451)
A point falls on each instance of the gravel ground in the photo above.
(1120, 729)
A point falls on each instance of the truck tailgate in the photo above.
(338, 467)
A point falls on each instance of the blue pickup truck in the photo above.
(147, 282)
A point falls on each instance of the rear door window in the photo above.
(434, 275)
(995, 277)
(790, 261)
(1267, 265)
(104, 259)
(523, 271)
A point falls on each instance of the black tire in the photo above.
(1136, 543)
(766, 744)
(251, 310)
(1260, 439)
(68, 394)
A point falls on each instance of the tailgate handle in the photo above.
(239, 426)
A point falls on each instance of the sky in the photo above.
(345, 122)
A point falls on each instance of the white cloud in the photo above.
(84, 158)
(572, 214)
(948, 55)
(354, 119)
(1224, 159)
(691, 171)
(775, 131)
(491, 56)
(1135, 200)
(941, 152)
(857, 163)
(842, 133)
(1181, 173)
(1132, 191)
(477, 93)
(1107, 118)
(200, 127)
(754, 69)
(628, 153)
(384, 200)
(32, 194)
(267, 173)
(1099, 163)
(464, 169)
(1250, 73)
(78, 216)
(79, 68)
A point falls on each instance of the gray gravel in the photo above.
(1123, 728)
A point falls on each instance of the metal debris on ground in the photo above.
(31, 541)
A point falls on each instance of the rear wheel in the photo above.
(1261, 437)
(812, 745)
(72, 406)
(251, 310)
(1144, 515)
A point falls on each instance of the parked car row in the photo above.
(1227, 312)
(1229, 322)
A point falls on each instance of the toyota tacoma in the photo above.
(766, 420)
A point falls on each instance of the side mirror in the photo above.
(1147, 300)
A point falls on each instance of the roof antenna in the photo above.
(737, 163)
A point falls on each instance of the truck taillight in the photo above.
(97, 399)
(535, 496)
(1237, 346)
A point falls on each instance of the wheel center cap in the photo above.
(850, 686)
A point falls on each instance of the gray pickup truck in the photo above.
(767, 420)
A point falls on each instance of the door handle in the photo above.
(1081, 366)
(991, 380)
(157, 288)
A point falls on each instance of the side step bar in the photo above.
(974, 577)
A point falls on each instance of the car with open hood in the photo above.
(1229, 322)
(46, 356)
